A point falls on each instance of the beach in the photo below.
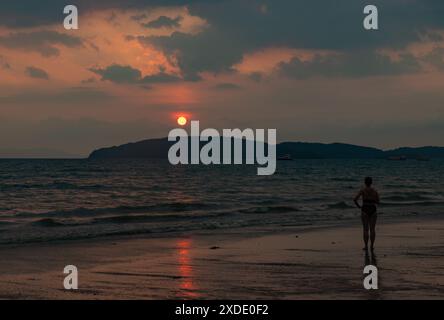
(221, 150)
(309, 263)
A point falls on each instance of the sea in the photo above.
(60, 200)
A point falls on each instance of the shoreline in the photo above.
(242, 231)
(323, 262)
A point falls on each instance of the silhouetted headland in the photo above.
(158, 149)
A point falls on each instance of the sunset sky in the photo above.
(305, 67)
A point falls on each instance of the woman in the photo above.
(370, 199)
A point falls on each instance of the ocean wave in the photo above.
(419, 196)
(87, 212)
(56, 185)
(343, 179)
(269, 209)
(412, 203)
(150, 218)
(48, 222)
(402, 186)
(339, 205)
(125, 219)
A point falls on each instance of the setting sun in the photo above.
(182, 121)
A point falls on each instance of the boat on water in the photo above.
(397, 158)
(285, 157)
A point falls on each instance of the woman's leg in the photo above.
(372, 221)
(365, 226)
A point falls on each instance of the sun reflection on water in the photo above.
(187, 286)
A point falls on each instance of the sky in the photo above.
(305, 67)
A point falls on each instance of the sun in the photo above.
(181, 121)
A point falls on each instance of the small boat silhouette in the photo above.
(398, 158)
(285, 157)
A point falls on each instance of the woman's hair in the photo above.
(368, 181)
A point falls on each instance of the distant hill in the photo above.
(158, 149)
(415, 153)
(153, 148)
(323, 151)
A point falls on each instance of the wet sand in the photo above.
(315, 264)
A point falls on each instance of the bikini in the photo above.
(369, 207)
(369, 202)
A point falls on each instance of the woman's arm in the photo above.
(355, 200)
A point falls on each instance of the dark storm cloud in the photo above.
(21, 13)
(27, 13)
(320, 24)
(239, 27)
(40, 41)
(310, 23)
(356, 64)
(163, 22)
(118, 74)
(127, 74)
(209, 51)
(37, 73)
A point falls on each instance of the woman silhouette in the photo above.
(370, 199)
